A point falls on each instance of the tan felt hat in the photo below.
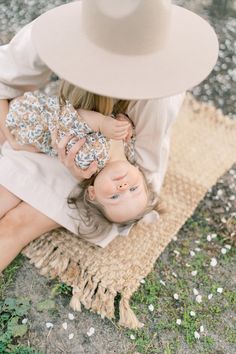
(130, 49)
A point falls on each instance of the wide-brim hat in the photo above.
(128, 49)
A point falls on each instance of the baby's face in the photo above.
(121, 189)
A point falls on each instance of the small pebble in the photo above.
(197, 249)
(197, 241)
(142, 281)
(132, 337)
(187, 265)
(199, 299)
(174, 274)
(209, 238)
(232, 197)
(228, 247)
(90, 331)
(176, 296)
(24, 321)
(223, 220)
(220, 290)
(64, 325)
(201, 329)
(175, 238)
(223, 250)
(194, 273)
(213, 262)
(71, 316)
(192, 313)
(71, 335)
(195, 291)
(192, 253)
(196, 335)
(151, 308)
(213, 236)
(178, 321)
(210, 296)
(49, 325)
(176, 252)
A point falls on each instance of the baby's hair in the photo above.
(80, 98)
(93, 214)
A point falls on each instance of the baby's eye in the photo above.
(115, 196)
(132, 189)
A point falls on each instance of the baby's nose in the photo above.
(122, 186)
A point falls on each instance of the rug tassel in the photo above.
(75, 300)
(127, 317)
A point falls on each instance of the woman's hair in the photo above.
(93, 213)
(80, 98)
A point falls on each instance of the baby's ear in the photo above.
(91, 192)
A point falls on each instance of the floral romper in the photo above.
(33, 116)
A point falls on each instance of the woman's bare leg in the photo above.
(8, 201)
(19, 227)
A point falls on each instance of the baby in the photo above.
(118, 191)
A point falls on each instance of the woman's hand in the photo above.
(68, 158)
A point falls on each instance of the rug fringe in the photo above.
(127, 316)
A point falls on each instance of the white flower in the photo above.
(174, 238)
(187, 265)
(197, 249)
(220, 290)
(178, 321)
(192, 313)
(64, 325)
(223, 220)
(195, 291)
(209, 238)
(197, 241)
(219, 192)
(213, 235)
(132, 337)
(201, 329)
(174, 274)
(196, 335)
(228, 247)
(71, 316)
(24, 321)
(142, 281)
(176, 296)
(223, 250)
(194, 272)
(151, 308)
(176, 252)
(199, 298)
(213, 262)
(232, 197)
(90, 331)
(210, 296)
(49, 325)
(192, 253)
(162, 282)
(71, 335)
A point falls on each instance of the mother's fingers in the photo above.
(70, 157)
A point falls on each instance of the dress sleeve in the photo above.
(21, 68)
(153, 120)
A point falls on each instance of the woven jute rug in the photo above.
(203, 148)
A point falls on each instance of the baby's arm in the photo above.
(108, 126)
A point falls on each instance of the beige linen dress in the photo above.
(43, 181)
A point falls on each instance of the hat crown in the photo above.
(127, 26)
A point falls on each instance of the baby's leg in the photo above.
(8, 201)
(19, 227)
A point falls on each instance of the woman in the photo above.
(117, 55)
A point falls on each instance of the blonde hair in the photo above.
(93, 214)
(80, 98)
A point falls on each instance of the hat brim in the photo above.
(187, 58)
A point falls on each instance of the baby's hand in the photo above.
(117, 129)
(123, 117)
